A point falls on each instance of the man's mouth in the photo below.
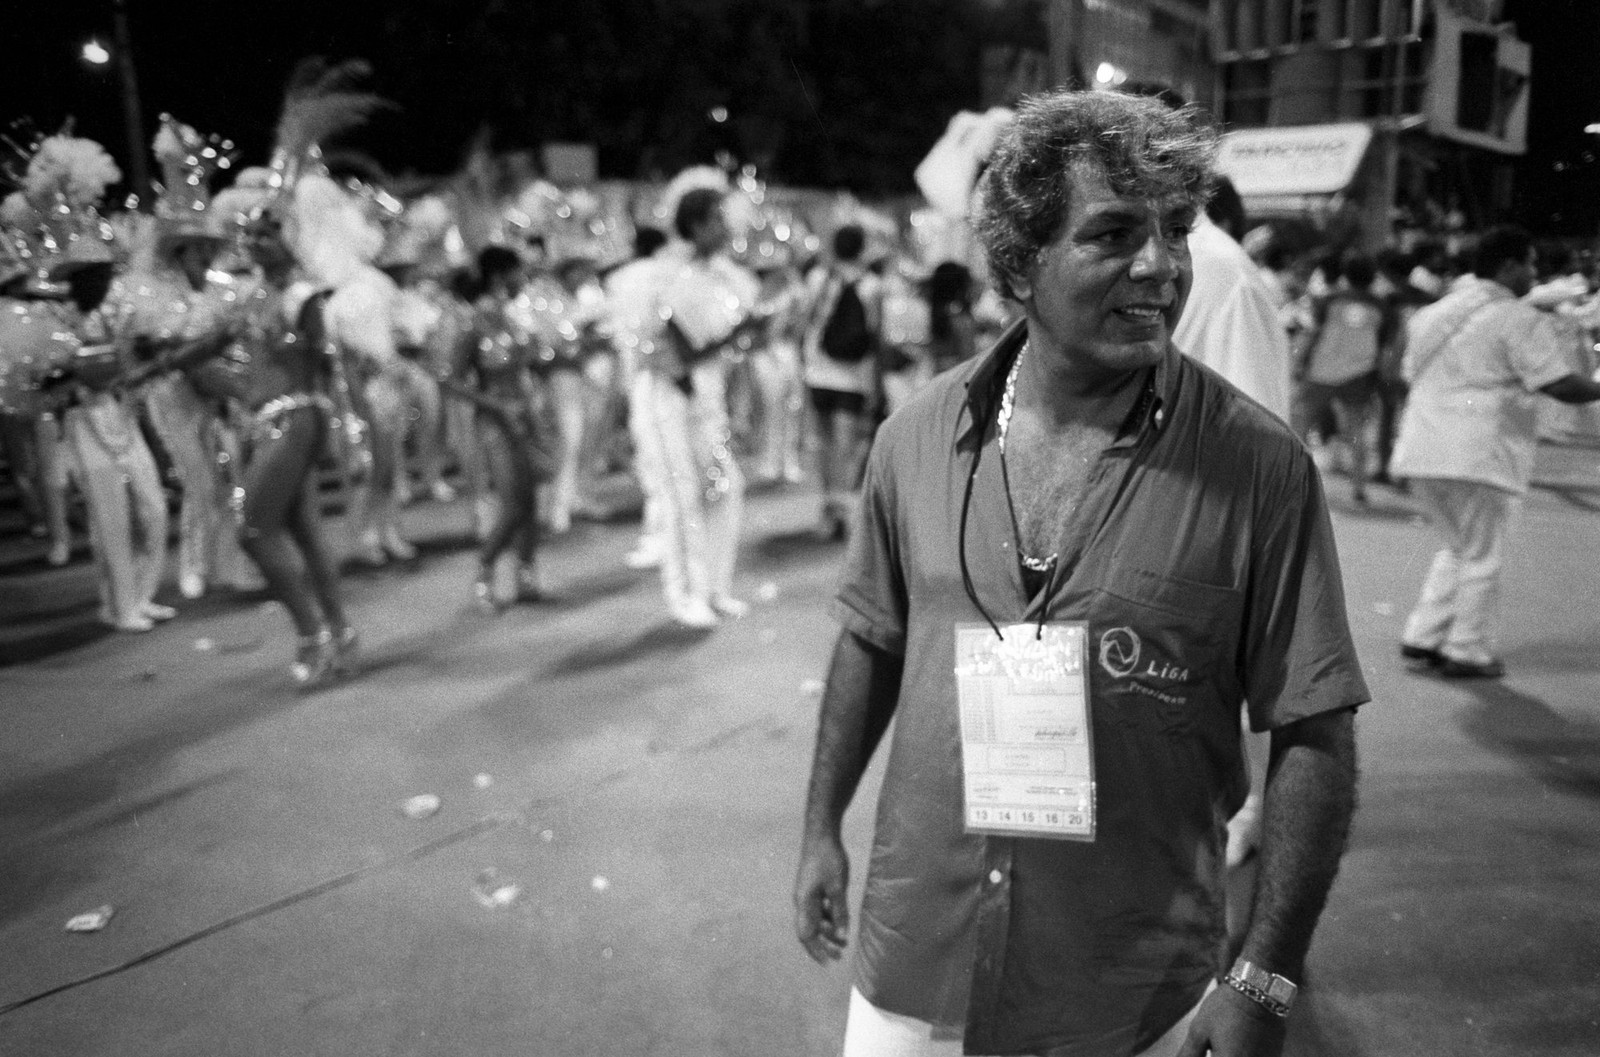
(1143, 313)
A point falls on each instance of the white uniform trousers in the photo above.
(681, 439)
(126, 506)
(1458, 610)
(185, 428)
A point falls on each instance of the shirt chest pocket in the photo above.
(1162, 648)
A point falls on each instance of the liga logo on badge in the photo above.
(1119, 652)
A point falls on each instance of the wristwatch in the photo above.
(1274, 992)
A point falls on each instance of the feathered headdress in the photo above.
(188, 161)
(320, 103)
(53, 217)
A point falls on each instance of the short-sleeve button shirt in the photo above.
(1204, 563)
(1476, 361)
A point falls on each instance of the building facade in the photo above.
(1441, 84)
(1112, 42)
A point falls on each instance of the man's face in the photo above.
(1109, 289)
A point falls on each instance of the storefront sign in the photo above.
(1298, 160)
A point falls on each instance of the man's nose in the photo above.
(1156, 259)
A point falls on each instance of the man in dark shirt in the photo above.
(1076, 558)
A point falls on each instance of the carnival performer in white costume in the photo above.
(704, 303)
(418, 320)
(631, 303)
(575, 309)
(775, 365)
(66, 179)
(169, 299)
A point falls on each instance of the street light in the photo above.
(1109, 74)
(95, 53)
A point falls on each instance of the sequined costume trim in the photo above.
(264, 423)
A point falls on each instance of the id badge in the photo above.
(1026, 751)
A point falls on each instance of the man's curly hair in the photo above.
(1144, 147)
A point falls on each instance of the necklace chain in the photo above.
(1008, 404)
(1008, 399)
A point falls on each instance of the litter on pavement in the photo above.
(90, 921)
(493, 891)
(421, 806)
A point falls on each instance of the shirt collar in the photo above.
(988, 381)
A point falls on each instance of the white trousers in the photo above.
(681, 440)
(126, 506)
(185, 428)
(873, 1032)
(569, 399)
(1458, 610)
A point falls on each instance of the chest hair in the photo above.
(1049, 474)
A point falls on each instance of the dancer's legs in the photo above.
(274, 484)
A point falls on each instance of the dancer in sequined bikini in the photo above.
(498, 362)
(282, 368)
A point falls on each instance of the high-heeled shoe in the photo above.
(345, 643)
(314, 660)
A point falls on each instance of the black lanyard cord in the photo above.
(961, 541)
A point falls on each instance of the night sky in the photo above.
(221, 67)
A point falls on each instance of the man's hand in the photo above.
(1228, 1024)
(821, 910)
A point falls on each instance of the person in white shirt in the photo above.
(1231, 322)
(704, 302)
(630, 302)
(1477, 361)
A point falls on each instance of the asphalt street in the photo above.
(609, 866)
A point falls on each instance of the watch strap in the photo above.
(1275, 993)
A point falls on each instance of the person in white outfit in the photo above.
(122, 489)
(703, 304)
(1477, 361)
(167, 305)
(1231, 322)
(630, 300)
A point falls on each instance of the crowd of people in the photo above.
(1428, 371)
(233, 356)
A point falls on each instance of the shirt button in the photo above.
(995, 877)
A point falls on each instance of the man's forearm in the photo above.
(1310, 799)
(857, 704)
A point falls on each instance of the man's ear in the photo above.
(1021, 288)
